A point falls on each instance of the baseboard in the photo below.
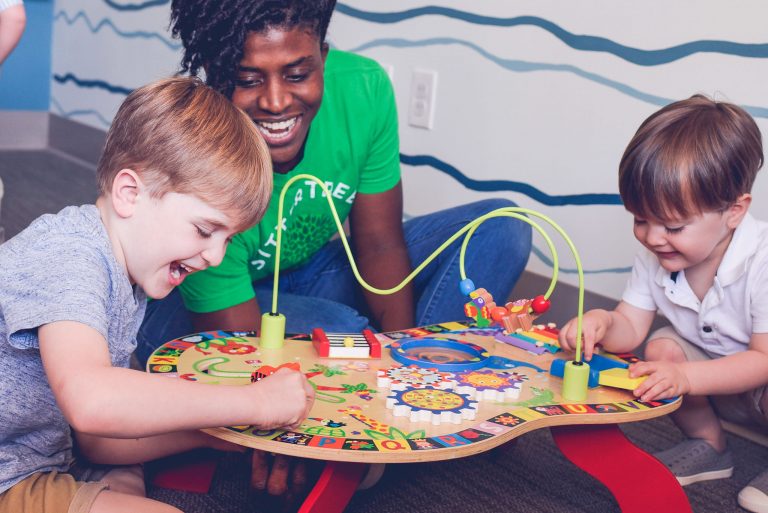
(38, 130)
(81, 141)
(24, 130)
(749, 433)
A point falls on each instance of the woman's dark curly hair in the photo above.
(213, 32)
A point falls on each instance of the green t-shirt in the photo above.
(352, 146)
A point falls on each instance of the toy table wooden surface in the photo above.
(383, 411)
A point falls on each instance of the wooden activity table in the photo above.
(381, 411)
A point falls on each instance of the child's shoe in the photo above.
(695, 460)
(754, 496)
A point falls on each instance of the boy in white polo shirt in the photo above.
(686, 176)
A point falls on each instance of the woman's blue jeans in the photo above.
(324, 293)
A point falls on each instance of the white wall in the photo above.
(536, 99)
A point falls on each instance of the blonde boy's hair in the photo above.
(181, 136)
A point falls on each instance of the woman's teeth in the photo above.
(278, 129)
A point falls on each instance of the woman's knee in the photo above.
(486, 206)
(342, 318)
(304, 313)
(503, 229)
(491, 204)
(503, 241)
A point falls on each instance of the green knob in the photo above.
(575, 380)
(272, 331)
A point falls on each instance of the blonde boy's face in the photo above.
(172, 237)
(686, 243)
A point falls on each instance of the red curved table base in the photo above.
(638, 481)
(335, 487)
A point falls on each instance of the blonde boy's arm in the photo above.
(731, 374)
(13, 20)
(102, 400)
(128, 451)
(620, 330)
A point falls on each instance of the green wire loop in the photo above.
(469, 229)
(510, 212)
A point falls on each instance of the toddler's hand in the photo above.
(665, 380)
(593, 327)
(285, 399)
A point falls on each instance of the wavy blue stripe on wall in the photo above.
(509, 185)
(91, 84)
(527, 67)
(106, 22)
(135, 7)
(575, 41)
(79, 113)
(549, 263)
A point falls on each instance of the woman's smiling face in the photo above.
(279, 84)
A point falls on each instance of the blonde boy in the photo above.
(686, 176)
(181, 173)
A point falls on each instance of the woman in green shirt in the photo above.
(330, 114)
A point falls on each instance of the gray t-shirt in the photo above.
(61, 268)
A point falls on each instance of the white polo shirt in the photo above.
(5, 4)
(733, 308)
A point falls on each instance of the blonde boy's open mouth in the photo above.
(178, 272)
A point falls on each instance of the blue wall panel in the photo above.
(25, 78)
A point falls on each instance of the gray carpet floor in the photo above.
(528, 476)
(39, 182)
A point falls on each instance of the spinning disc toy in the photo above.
(441, 354)
(432, 405)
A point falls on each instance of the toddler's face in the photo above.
(174, 236)
(685, 243)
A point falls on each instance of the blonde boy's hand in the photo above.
(273, 474)
(665, 380)
(285, 397)
(593, 328)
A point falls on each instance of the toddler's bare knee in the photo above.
(663, 349)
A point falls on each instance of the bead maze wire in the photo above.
(521, 214)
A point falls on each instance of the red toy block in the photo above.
(321, 343)
(329, 345)
(373, 343)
